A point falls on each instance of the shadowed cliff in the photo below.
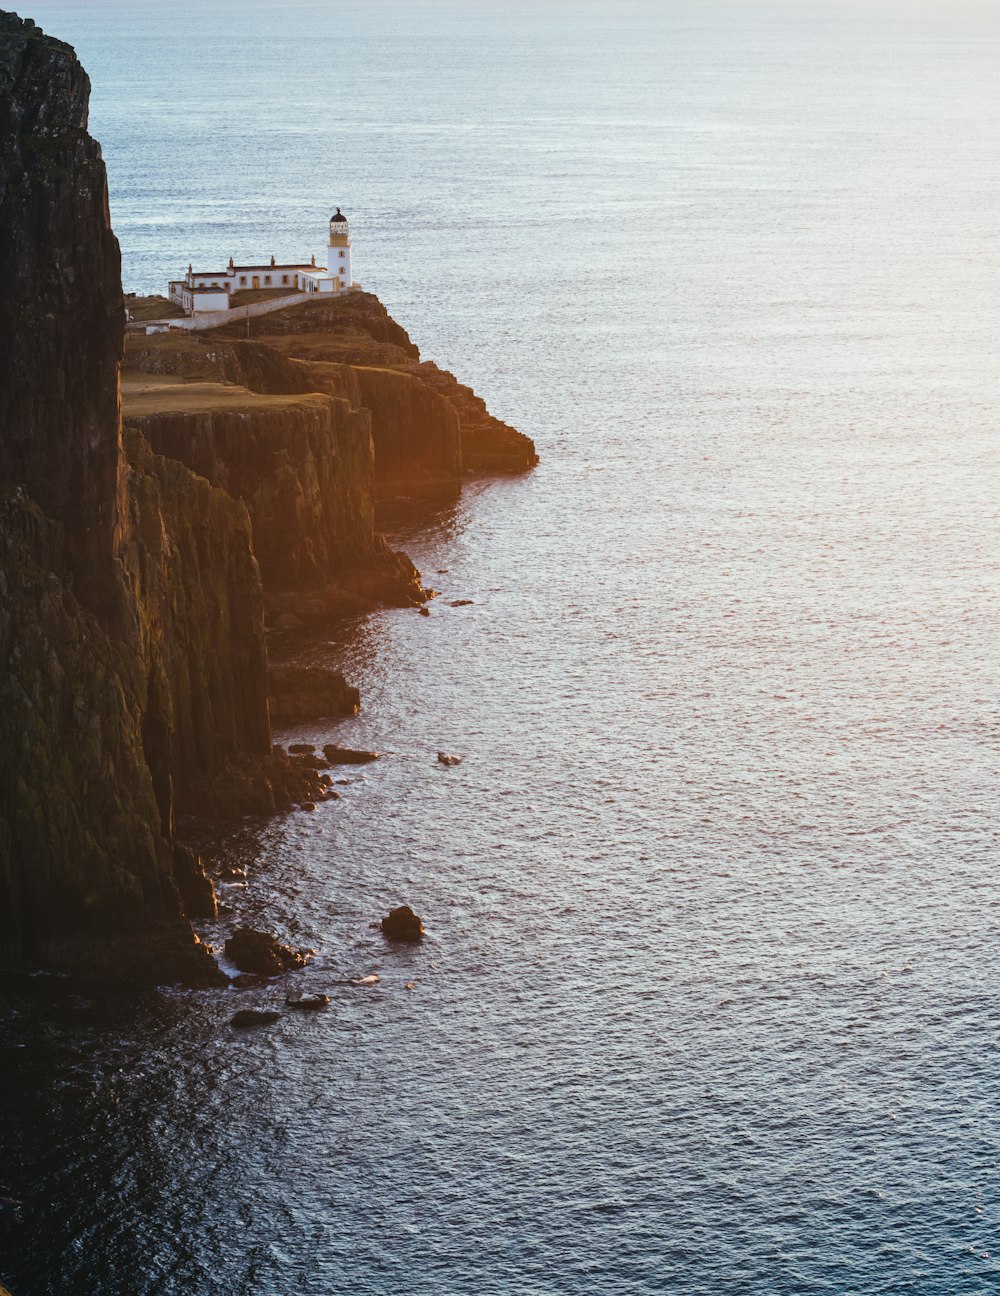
(131, 634)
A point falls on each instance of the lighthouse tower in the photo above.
(338, 252)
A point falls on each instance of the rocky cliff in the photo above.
(59, 263)
(134, 674)
(293, 440)
(449, 430)
(304, 467)
(130, 609)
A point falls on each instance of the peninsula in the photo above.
(164, 498)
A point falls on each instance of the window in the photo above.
(284, 279)
(243, 281)
(342, 255)
(267, 279)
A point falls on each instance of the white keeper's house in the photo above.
(212, 290)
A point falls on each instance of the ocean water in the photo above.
(708, 1002)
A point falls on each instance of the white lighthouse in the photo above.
(212, 292)
(338, 252)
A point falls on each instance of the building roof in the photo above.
(339, 216)
(292, 265)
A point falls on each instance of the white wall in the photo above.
(337, 266)
(211, 301)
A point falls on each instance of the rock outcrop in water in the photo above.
(134, 679)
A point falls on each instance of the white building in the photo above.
(213, 290)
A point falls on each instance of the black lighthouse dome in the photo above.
(338, 217)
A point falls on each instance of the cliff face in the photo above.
(130, 618)
(418, 445)
(59, 261)
(84, 866)
(304, 467)
(196, 585)
(450, 430)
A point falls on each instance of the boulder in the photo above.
(262, 954)
(193, 884)
(308, 1003)
(304, 692)
(402, 924)
(348, 755)
(445, 759)
(253, 1017)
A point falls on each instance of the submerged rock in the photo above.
(348, 755)
(253, 1017)
(445, 759)
(260, 953)
(308, 1003)
(460, 603)
(402, 924)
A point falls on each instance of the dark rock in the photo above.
(97, 689)
(424, 611)
(253, 1017)
(302, 749)
(308, 1003)
(308, 692)
(402, 924)
(262, 954)
(307, 805)
(348, 755)
(231, 873)
(194, 885)
(460, 603)
(445, 759)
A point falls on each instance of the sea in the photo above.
(709, 1001)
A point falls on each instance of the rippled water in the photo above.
(709, 998)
